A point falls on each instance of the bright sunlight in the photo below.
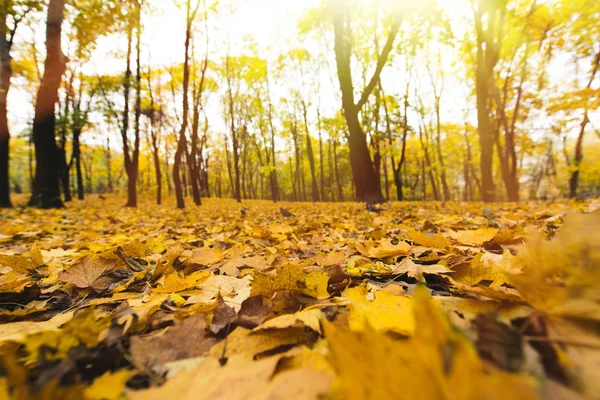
(316, 199)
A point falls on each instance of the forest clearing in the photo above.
(316, 199)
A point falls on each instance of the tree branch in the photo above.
(383, 57)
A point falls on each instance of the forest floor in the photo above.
(413, 301)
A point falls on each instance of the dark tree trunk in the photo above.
(5, 76)
(311, 157)
(321, 164)
(363, 170)
(125, 127)
(330, 167)
(273, 174)
(576, 164)
(337, 173)
(46, 192)
(133, 170)
(438, 140)
(489, 39)
(77, 160)
(182, 142)
(236, 184)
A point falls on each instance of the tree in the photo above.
(363, 169)
(131, 157)
(46, 192)
(489, 27)
(9, 10)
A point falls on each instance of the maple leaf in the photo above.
(481, 268)
(437, 242)
(413, 270)
(90, 272)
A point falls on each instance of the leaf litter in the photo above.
(307, 301)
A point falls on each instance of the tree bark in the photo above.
(182, 142)
(368, 189)
(5, 77)
(576, 163)
(488, 50)
(46, 192)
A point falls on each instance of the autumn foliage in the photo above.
(414, 301)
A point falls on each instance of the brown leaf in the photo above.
(499, 343)
(223, 315)
(89, 272)
(254, 312)
(186, 339)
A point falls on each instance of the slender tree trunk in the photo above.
(5, 77)
(125, 126)
(445, 187)
(77, 160)
(133, 173)
(182, 142)
(273, 175)
(330, 183)
(46, 192)
(576, 164)
(62, 153)
(337, 173)
(311, 156)
(321, 164)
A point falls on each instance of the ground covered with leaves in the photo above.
(306, 301)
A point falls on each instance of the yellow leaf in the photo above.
(386, 312)
(246, 343)
(206, 256)
(437, 242)
(475, 237)
(306, 318)
(387, 249)
(330, 258)
(239, 379)
(481, 268)
(316, 285)
(18, 331)
(109, 386)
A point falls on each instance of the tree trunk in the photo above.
(5, 77)
(133, 170)
(574, 179)
(125, 126)
(576, 163)
(46, 192)
(363, 170)
(488, 50)
(182, 142)
(445, 187)
(321, 165)
(77, 160)
(337, 173)
(311, 157)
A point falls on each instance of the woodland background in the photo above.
(369, 100)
